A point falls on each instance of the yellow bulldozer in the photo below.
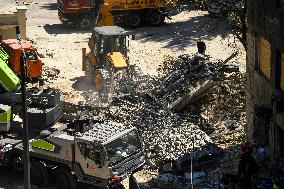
(107, 60)
(107, 63)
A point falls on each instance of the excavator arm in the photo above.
(8, 80)
(104, 16)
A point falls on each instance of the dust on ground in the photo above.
(62, 46)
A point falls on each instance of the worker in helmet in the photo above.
(116, 183)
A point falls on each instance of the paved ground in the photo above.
(62, 46)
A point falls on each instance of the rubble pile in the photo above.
(49, 73)
(190, 108)
(169, 134)
(165, 135)
(229, 164)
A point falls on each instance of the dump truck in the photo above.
(107, 60)
(83, 150)
(11, 51)
(87, 151)
(82, 13)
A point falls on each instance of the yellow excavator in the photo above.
(107, 60)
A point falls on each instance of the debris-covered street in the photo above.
(189, 109)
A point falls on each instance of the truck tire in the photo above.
(133, 19)
(84, 22)
(154, 18)
(39, 174)
(65, 180)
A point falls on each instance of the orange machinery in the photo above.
(33, 63)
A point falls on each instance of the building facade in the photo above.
(265, 75)
(9, 21)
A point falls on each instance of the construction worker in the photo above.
(116, 183)
(247, 167)
(201, 46)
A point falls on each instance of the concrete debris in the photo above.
(167, 181)
(169, 135)
(196, 127)
(50, 72)
(196, 176)
(194, 95)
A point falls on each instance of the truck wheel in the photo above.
(133, 19)
(65, 180)
(39, 174)
(154, 18)
(84, 22)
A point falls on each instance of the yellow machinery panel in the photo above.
(117, 59)
(265, 56)
(282, 72)
(139, 4)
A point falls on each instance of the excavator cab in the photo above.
(107, 59)
(107, 40)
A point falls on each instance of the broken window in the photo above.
(264, 57)
(262, 117)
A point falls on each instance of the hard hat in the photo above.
(115, 178)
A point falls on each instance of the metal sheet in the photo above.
(118, 60)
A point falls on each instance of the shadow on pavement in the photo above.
(180, 34)
(11, 179)
(49, 6)
(61, 29)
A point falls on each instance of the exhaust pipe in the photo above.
(83, 59)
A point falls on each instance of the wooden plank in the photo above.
(8, 19)
(192, 97)
(230, 57)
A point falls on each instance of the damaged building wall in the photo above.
(265, 74)
(9, 21)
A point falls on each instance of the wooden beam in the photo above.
(192, 97)
(8, 19)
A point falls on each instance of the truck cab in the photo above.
(119, 155)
